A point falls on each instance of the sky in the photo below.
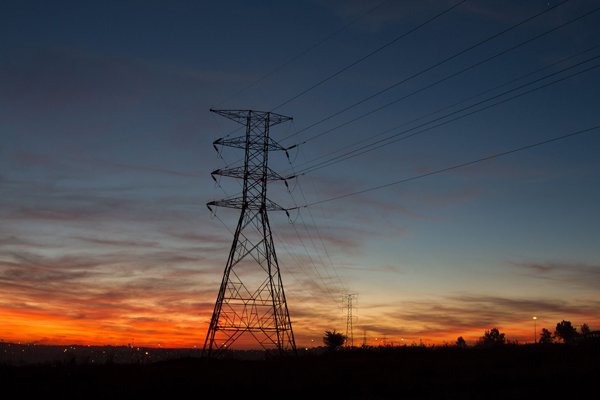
(106, 153)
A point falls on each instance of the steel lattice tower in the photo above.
(349, 319)
(251, 298)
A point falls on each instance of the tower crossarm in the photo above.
(243, 116)
(238, 203)
(241, 141)
(238, 172)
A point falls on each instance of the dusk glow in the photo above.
(106, 154)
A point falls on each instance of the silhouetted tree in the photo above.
(461, 343)
(565, 331)
(493, 337)
(546, 336)
(333, 339)
(585, 329)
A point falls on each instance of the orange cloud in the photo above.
(125, 298)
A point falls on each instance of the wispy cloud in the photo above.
(469, 315)
(392, 13)
(304, 233)
(199, 237)
(127, 167)
(74, 77)
(398, 13)
(77, 164)
(18, 241)
(86, 297)
(128, 243)
(577, 274)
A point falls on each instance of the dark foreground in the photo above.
(510, 372)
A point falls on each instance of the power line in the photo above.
(319, 236)
(456, 166)
(323, 282)
(366, 56)
(309, 235)
(447, 77)
(431, 67)
(299, 264)
(304, 52)
(315, 226)
(521, 77)
(528, 19)
(322, 285)
(401, 135)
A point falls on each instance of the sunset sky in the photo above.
(106, 153)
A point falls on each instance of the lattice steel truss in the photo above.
(251, 299)
(348, 298)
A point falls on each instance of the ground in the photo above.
(508, 372)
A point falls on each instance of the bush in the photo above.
(493, 337)
(333, 339)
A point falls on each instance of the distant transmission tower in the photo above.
(349, 318)
(251, 301)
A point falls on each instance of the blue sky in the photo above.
(106, 153)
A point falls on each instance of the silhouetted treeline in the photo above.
(410, 372)
(24, 354)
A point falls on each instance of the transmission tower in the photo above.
(348, 298)
(251, 300)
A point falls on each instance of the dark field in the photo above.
(508, 372)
